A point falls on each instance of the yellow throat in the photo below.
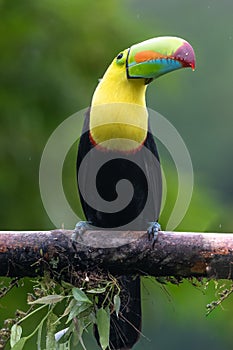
(118, 115)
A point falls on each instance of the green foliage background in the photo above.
(52, 55)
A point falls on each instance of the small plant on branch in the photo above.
(81, 307)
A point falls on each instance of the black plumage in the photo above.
(141, 168)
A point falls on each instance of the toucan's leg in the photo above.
(79, 230)
(153, 230)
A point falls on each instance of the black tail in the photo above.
(125, 329)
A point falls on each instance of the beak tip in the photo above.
(193, 65)
(185, 54)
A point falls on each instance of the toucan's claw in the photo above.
(152, 231)
(80, 228)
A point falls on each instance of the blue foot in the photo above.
(79, 230)
(152, 231)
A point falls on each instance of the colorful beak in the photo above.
(154, 57)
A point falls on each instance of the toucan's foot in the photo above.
(79, 230)
(152, 231)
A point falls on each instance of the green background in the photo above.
(52, 54)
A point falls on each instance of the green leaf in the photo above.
(49, 299)
(97, 290)
(16, 332)
(84, 311)
(50, 331)
(92, 318)
(20, 344)
(80, 326)
(80, 296)
(117, 304)
(77, 310)
(67, 310)
(67, 285)
(103, 325)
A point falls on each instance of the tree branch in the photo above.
(179, 254)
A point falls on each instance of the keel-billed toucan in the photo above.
(118, 168)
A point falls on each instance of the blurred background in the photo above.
(52, 55)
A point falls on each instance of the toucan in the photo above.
(118, 167)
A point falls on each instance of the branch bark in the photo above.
(179, 254)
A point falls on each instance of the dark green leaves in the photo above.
(117, 304)
(103, 325)
(81, 308)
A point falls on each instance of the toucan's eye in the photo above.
(120, 58)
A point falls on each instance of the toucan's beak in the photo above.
(155, 57)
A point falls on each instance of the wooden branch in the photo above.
(179, 254)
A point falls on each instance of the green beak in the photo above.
(155, 57)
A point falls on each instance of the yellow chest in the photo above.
(118, 115)
(118, 126)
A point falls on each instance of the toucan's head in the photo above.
(154, 57)
(132, 69)
(118, 108)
